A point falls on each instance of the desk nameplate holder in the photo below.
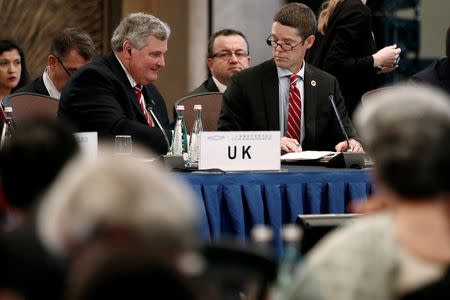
(240, 150)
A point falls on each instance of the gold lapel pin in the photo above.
(313, 83)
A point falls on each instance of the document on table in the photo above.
(306, 155)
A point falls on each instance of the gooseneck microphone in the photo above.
(150, 111)
(331, 97)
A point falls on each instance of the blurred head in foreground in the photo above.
(32, 159)
(116, 201)
(406, 130)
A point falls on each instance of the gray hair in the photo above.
(140, 198)
(136, 28)
(406, 130)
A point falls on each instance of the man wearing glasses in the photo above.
(286, 94)
(228, 53)
(71, 49)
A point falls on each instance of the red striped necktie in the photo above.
(294, 111)
(140, 98)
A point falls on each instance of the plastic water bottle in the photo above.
(179, 141)
(194, 142)
(8, 127)
(292, 235)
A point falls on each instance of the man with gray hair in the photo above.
(118, 201)
(115, 94)
(406, 130)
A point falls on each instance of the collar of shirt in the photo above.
(220, 86)
(283, 94)
(130, 78)
(50, 86)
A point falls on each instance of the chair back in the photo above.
(211, 106)
(30, 105)
(233, 268)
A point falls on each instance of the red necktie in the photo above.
(140, 98)
(294, 111)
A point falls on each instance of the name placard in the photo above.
(240, 150)
(88, 142)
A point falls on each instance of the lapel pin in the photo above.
(313, 82)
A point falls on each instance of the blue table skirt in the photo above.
(232, 203)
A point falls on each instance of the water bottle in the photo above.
(8, 127)
(292, 235)
(194, 142)
(179, 141)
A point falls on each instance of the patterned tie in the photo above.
(140, 98)
(294, 111)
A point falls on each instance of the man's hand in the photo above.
(290, 145)
(355, 146)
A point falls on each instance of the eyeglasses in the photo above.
(226, 55)
(286, 47)
(64, 67)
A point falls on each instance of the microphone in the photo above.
(331, 97)
(150, 111)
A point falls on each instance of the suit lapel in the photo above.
(271, 96)
(117, 69)
(311, 88)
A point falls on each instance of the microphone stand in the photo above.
(150, 111)
(331, 97)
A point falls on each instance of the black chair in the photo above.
(211, 106)
(30, 105)
(315, 227)
(234, 269)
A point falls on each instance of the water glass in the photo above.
(123, 145)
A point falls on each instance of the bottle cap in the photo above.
(180, 107)
(261, 233)
(292, 233)
(197, 106)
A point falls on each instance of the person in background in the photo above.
(71, 49)
(13, 69)
(228, 53)
(438, 73)
(406, 246)
(115, 94)
(29, 164)
(345, 47)
(287, 94)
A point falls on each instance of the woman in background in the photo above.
(13, 70)
(345, 47)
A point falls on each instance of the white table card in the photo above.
(240, 150)
(88, 142)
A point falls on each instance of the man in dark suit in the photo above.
(438, 73)
(114, 94)
(71, 49)
(258, 98)
(228, 53)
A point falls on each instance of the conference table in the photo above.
(231, 203)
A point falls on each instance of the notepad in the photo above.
(306, 155)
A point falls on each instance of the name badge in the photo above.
(240, 150)
(88, 142)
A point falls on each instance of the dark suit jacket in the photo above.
(437, 74)
(36, 86)
(27, 267)
(251, 102)
(207, 86)
(346, 49)
(99, 97)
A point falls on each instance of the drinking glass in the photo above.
(123, 145)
